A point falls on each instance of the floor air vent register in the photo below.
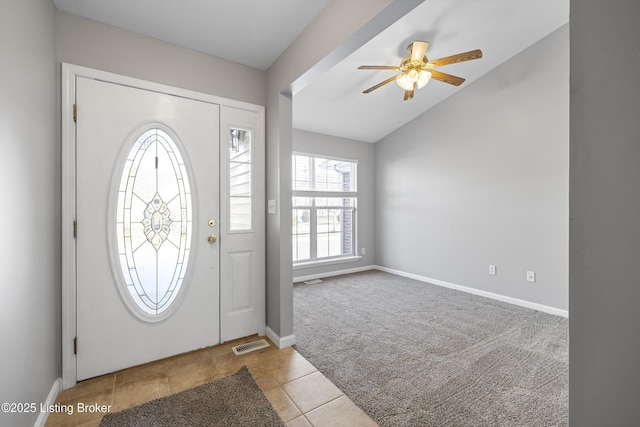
(249, 347)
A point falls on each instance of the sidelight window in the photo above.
(240, 156)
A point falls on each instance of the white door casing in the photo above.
(71, 255)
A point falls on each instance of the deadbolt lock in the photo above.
(212, 222)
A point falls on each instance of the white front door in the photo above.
(147, 201)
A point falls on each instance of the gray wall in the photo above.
(483, 179)
(605, 202)
(364, 153)
(604, 353)
(92, 44)
(339, 29)
(30, 358)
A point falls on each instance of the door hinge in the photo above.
(75, 345)
(75, 113)
(75, 229)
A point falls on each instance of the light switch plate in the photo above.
(271, 207)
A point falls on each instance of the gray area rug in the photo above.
(235, 400)
(413, 354)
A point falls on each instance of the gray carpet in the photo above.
(235, 400)
(414, 354)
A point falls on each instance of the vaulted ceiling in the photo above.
(256, 32)
(335, 104)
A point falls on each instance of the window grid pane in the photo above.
(301, 234)
(333, 233)
(301, 173)
(319, 174)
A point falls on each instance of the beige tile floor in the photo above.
(299, 393)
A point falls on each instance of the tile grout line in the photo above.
(291, 399)
(325, 403)
(316, 407)
(305, 375)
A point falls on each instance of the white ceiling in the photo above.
(256, 32)
(335, 105)
(250, 32)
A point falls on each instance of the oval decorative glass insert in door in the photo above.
(153, 223)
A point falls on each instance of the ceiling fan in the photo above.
(417, 70)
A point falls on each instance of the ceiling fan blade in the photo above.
(447, 78)
(408, 94)
(389, 80)
(378, 67)
(466, 56)
(418, 49)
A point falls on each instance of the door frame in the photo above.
(69, 74)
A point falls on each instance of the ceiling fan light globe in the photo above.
(423, 78)
(404, 82)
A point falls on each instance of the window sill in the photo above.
(320, 263)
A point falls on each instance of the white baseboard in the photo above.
(510, 300)
(283, 342)
(333, 273)
(51, 400)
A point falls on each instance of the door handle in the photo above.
(212, 239)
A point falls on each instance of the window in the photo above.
(153, 221)
(240, 180)
(324, 203)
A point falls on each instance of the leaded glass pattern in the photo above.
(154, 221)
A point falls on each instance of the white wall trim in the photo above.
(283, 342)
(510, 300)
(334, 273)
(51, 400)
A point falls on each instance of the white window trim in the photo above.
(314, 262)
(326, 261)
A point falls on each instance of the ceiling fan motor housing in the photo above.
(413, 73)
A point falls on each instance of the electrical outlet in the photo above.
(531, 276)
(363, 251)
(492, 269)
